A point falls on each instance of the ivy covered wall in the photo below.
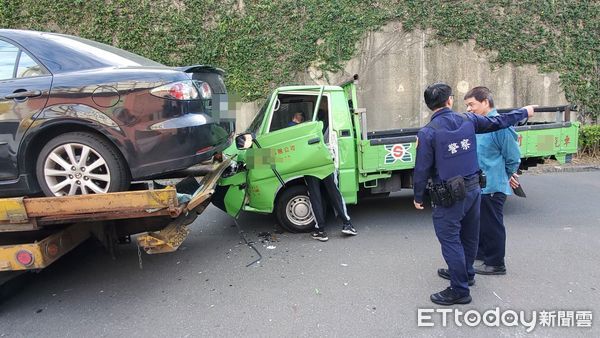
(263, 43)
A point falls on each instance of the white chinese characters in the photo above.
(453, 148)
(465, 144)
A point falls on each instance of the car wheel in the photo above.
(293, 210)
(80, 163)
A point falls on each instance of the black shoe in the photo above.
(348, 229)
(490, 270)
(320, 236)
(449, 297)
(445, 274)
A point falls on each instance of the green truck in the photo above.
(269, 168)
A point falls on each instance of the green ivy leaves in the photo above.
(263, 43)
(589, 140)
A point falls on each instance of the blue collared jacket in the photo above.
(499, 157)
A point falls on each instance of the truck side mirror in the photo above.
(244, 141)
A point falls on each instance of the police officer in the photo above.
(447, 157)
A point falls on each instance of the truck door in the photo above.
(290, 146)
(292, 152)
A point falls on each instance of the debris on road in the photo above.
(495, 294)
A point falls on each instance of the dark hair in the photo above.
(436, 95)
(480, 94)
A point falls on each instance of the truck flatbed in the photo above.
(35, 232)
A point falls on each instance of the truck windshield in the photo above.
(258, 119)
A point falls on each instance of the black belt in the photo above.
(472, 183)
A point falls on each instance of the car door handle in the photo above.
(22, 95)
(314, 140)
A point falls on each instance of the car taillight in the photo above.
(205, 90)
(25, 257)
(182, 90)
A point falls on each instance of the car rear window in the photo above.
(102, 53)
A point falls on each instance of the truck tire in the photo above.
(293, 210)
(62, 170)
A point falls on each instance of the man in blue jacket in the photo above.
(447, 156)
(499, 158)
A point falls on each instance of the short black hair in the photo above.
(481, 93)
(436, 95)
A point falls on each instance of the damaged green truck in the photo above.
(268, 176)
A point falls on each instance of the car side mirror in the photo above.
(244, 141)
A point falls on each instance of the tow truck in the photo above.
(37, 231)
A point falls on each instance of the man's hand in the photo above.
(514, 182)
(418, 205)
(530, 109)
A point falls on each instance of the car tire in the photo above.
(293, 209)
(61, 171)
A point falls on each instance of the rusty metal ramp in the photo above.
(23, 214)
(171, 237)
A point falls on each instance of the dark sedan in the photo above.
(81, 117)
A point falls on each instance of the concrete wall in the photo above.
(395, 67)
(244, 112)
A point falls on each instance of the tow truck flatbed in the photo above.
(35, 232)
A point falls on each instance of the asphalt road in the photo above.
(368, 285)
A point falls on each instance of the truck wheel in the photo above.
(80, 163)
(293, 210)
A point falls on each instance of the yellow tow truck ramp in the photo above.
(35, 232)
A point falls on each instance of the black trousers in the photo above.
(318, 204)
(492, 233)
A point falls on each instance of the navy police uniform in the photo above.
(447, 148)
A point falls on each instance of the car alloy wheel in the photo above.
(74, 169)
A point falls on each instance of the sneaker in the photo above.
(320, 236)
(449, 297)
(348, 229)
(445, 274)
